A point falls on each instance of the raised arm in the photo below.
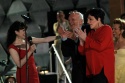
(44, 40)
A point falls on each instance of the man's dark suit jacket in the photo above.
(70, 49)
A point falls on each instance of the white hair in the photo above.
(81, 15)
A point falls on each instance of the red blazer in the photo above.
(99, 51)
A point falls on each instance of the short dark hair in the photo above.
(97, 13)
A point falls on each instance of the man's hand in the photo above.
(60, 30)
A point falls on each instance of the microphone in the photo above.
(26, 18)
(30, 41)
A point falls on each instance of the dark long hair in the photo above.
(16, 26)
(97, 13)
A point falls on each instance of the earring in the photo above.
(98, 25)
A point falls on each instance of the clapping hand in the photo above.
(81, 34)
(64, 33)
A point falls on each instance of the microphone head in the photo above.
(30, 40)
(26, 18)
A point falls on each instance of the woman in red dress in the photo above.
(16, 43)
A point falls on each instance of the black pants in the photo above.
(99, 78)
(79, 72)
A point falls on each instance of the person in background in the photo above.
(69, 47)
(119, 43)
(10, 79)
(98, 48)
(63, 22)
(21, 49)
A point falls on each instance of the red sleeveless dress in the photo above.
(22, 75)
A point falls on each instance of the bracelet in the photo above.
(58, 37)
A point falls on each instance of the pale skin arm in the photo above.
(43, 40)
(81, 42)
(15, 56)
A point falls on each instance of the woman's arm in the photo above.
(81, 49)
(44, 40)
(15, 56)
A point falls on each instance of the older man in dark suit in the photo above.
(70, 44)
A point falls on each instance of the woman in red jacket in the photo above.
(98, 47)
